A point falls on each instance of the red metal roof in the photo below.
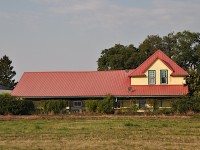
(98, 83)
(159, 90)
(176, 70)
(72, 84)
(88, 84)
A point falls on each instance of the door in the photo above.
(142, 104)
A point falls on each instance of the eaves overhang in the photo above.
(85, 97)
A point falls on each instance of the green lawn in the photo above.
(117, 132)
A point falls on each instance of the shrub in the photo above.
(21, 107)
(195, 103)
(106, 105)
(163, 111)
(55, 106)
(5, 102)
(183, 105)
(91, 105)
(101, 106)
(10, 105)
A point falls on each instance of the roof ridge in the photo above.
(76, 71)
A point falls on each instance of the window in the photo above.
(152, 76)
(163, 76)
(77, 103)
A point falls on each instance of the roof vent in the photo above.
(130, 88)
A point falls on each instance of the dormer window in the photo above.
(163, 76)
(152, 76)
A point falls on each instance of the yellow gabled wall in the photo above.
(157, 66)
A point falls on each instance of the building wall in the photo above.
(5, 91)
(157, 66)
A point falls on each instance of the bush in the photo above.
(53, 106)
(101, 106)
(186, 104)
(91, 105)
(163, 111)
(106, 105)
(21, 107)
(196, 103)
(4, 99)
(10, 105)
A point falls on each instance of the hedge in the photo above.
(10, 105)
(53, 106)
(104, 106)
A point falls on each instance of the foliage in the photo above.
(164, 111)
(91, 105)
(134, 106)
(186, 52)
(186, 104)
(6, 72)
(10, 105)
(151, 44)
(55, 106)
(118, 57)
(182, 47)
(106, 105)
(131, 109)
(193, 82)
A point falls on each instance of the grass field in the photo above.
(107, 132)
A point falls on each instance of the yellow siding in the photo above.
(157, 65)
(139, 81)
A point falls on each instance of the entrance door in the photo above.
(142, 104)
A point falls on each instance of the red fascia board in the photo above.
(142, 75)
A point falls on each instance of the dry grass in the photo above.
(99, 132)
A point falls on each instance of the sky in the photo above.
(69, 35)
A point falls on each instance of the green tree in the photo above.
(187, 50)
(151, 44)
(6, 72)
(169, 44)
(182, 47)
(193, 82)
(118, 57)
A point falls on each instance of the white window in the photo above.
(77, 103)
(163, 76)
(152, 77)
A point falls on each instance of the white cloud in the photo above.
(110, 15)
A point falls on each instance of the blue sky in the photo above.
(69, 35)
